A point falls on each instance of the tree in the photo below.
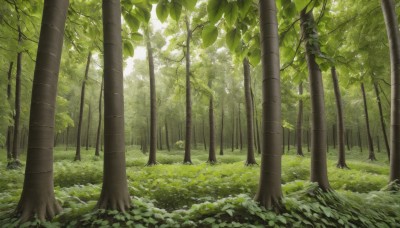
(97, 151)
(37, 198)
(9, 129)
(382, 120)
(212, 159)
(299, 128)
(371, 155)
(114, 193)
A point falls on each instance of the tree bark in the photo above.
(97, 152)
(300, 123)
(269, 191)
(82, 106)
(339, 121)
(187, 159)
(114, 193)
(318, 125)
(378, 98)
(37, 198)
(88, 128)
(240, 130)
(370, 142)
(204, 137)
(221, 139)
(212, 159)
(9, 129)
(250, 160)
(288, 141)
(166, 136)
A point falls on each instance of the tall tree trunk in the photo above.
(204, 137)
(160, 137)
(82, 106)
(9, 129)
(378, 98)
(166, 135)
(389, 13)
(258, 137)
(318, 125)
(334, 135)
(288, 140)
(114, 193)
(359, 139)
(153, 103)
(37, 198)
(221, 139)
(194, 137)
(88, 128)
(97, 152)
(269, 191)
(308, 140)
(339, 121)
(283, 140)
(250, 160)
(187, 159)
(212, 159)
(370, 142)
(240, 130)
(347, 139)
(233, 128)
(300, 123)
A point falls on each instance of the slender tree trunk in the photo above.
(389, 13)
(97, 152)
(288, 141)
(318, 126)
(114, 193)
(153, 104)
(37, 198)
(283, 140)
(258, 137)
(9, 129)
(250, 160)
(300, 123)
(166, 136)
(221, 139)
(333, 135)
(88, 128)
(160, 137)
(339, 121)
(269, 191)
(194, 137)
(347, 139)
(82, 106)
(359, 139)
(240, 130)
(204, 137)
(370, 142)
(308, 140)
(378, 98)
(233, 128)
(187, 159)
(254, 122)
(212, 159)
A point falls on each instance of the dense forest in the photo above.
(199, 113)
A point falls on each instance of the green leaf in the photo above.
(233, 39)
(128, 48)
(175, 9)
(300, 4)
(215, 9)
(255, 57)
(162, 11)
(132, 22)
(189, 4)
(137, 37)
(209, 35)
(231, 13)
(244, 6)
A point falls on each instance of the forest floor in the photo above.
(201, 195)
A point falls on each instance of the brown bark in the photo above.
(339, 121)
(212, 159)
(221, 139)
(187, 159)
(318, 125)
(250, 160)
(9, 129)
(37, 198)
(371, 155)
(114, 193)
(269, 191)
(88, 128)
(383, 126)
(81, 108)
(299, 128)
(240, 130)
(97, 151)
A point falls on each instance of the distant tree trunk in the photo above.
(153, 103)
(288, 141)
(254, 121)
(194, 137)
(300, 123)
(37, 198)
(333, 136)
(204, 137)
(9, 129)
(258, 137)
(88, 128)
(187, 159)
(359, 139)
(240, 130)
(392, 28)
(339, 120)
(318, 125)
(166, 135)
(160, 137)
(221, 139)
(378, 98)
(233, 128)
(78, 139)
(212, 159)
(114, 193)
(308, 140)
(67, 139)
(250, 160)
(97, 152)
(283, 140)
(370, 143)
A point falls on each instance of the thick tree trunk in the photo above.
(339, 121)
(166, 136)
(378, 98)
(82, 106)
(221, 138)
(392, 28)
(37, 198)
(9, 129)
(318, 125)
(114, 193)
(212, 159)
(153, 104)
(97, 152)
(187, 159)
(369, 137)
(88, 128)
(300, 123)
(250, 160)
(269, 191)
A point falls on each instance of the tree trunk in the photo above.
(333, 135)
(308, 140)
(318, 125)
(339, 121)
(250, 160)
(269, 191)
(378, 98)
(37, 198)
(288, 141)
(114, 193)
(240, 130)
(283, 140)
(153, 104)
(88, 128)
(166, 135)
(300, 123)
(221, 140)
(187, 159)
(389, 13)
(160, 137)
(82, 106)
(9, 129)
(370, 142)
(194, 137)
(212, 159)
(97, 152)
(204, 137)
(258, 137)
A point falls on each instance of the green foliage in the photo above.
(209, 35)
